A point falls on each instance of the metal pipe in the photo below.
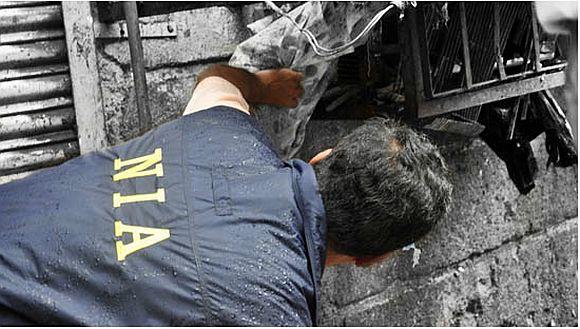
(522, 75)
(137, 66)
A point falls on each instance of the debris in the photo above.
(416, 253)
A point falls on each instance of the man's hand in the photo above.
(282, 87)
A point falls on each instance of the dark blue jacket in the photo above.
(197, 222)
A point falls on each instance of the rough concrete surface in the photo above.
(169, 91)
(499, 258)
(204, 36)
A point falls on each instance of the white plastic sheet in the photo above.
(280, 44)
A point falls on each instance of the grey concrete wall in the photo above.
(500, 258)
(204, 36)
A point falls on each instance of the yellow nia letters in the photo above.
(154, 235)
(119, 200)
(139, 166)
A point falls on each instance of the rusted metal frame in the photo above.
(465, 42)
(491, 94)
(509, 77)
(137, 65)
(460, 90)
(546, 68)
(419, 31)
(497, 41)
(542, 70)
(84, 75)
(412, 68)
(536, 39)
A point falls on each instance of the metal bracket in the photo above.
(149, 30)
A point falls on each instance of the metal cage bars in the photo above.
(421, 99)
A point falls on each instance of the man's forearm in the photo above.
(280, 87)
(251, 87)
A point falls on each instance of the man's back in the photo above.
(193, 223)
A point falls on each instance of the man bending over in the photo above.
(199, 222)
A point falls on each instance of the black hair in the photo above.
(384, 186)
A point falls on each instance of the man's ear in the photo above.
(320, 156)
(371, 260)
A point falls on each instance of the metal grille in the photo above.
(37, 117)
(460, 55)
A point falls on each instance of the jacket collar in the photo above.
(311, 206)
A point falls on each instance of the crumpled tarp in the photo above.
(280, 44)
(544, 115)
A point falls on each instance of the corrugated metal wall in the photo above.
(37, 117)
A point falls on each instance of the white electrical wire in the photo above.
(327, 52)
